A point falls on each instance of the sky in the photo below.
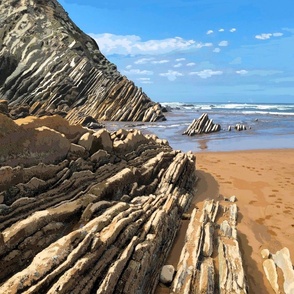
(196, 51)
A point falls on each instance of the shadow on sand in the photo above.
(253, 275)
(207, 187)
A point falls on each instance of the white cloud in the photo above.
(259, 72)
(266, 36)
(200, 45)
(206, 73)
(191, 64)
(263, 36)
(232, 30)
(221, 30)
(138, 72)
(128, 66)
(171, 75)
(178, 65)
(160, 61)
(278, 34)
(223, 43)
(145, 80)
(216, 50)
(143, 60)
(209, 32)
(132, 44)
(242, 72)
(180, 59)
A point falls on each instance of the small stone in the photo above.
(86, 141)
(125, 198)
(167, 274)
(233, 199)
(186, 216)
(265, 253)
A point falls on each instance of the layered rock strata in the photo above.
(282, 260)
(49, 66)
(240, 127)
(99, 216)
(210, 260)
(202, 125)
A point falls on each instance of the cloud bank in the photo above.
(266, 36)
(206, 73)
(133, 45)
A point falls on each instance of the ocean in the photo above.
(269, 126)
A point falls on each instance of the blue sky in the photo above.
(201, 50)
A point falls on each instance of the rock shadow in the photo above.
(206, 187)
(253, 275)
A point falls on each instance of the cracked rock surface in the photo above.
(100, 216)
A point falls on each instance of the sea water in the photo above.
(269, 126)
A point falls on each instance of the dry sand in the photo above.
(263, 182)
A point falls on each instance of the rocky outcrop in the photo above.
(202, 125)
(210, 260)
(240, 127)
(271, 273)
(282, 260)
(49, 66)
(99, 217)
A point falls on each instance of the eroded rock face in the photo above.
(48, 65)
(202, 125)
(89, 222)
(283, 261)
(197, 271)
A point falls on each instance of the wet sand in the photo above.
(263, 182)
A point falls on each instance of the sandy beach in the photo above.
(263, 183)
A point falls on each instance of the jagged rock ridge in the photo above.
(202, 125)
(100, 216)
(50, 65)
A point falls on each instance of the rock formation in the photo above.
(49, 66)
(202, 125)
(282, 260)
(84, 211)
(240, 127)
(211, 248)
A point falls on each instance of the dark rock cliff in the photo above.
(48, 65)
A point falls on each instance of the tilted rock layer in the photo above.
(202, 125)
(100, 216)
(48, 65)
(211, 260)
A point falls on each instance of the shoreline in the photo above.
(261, 181)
